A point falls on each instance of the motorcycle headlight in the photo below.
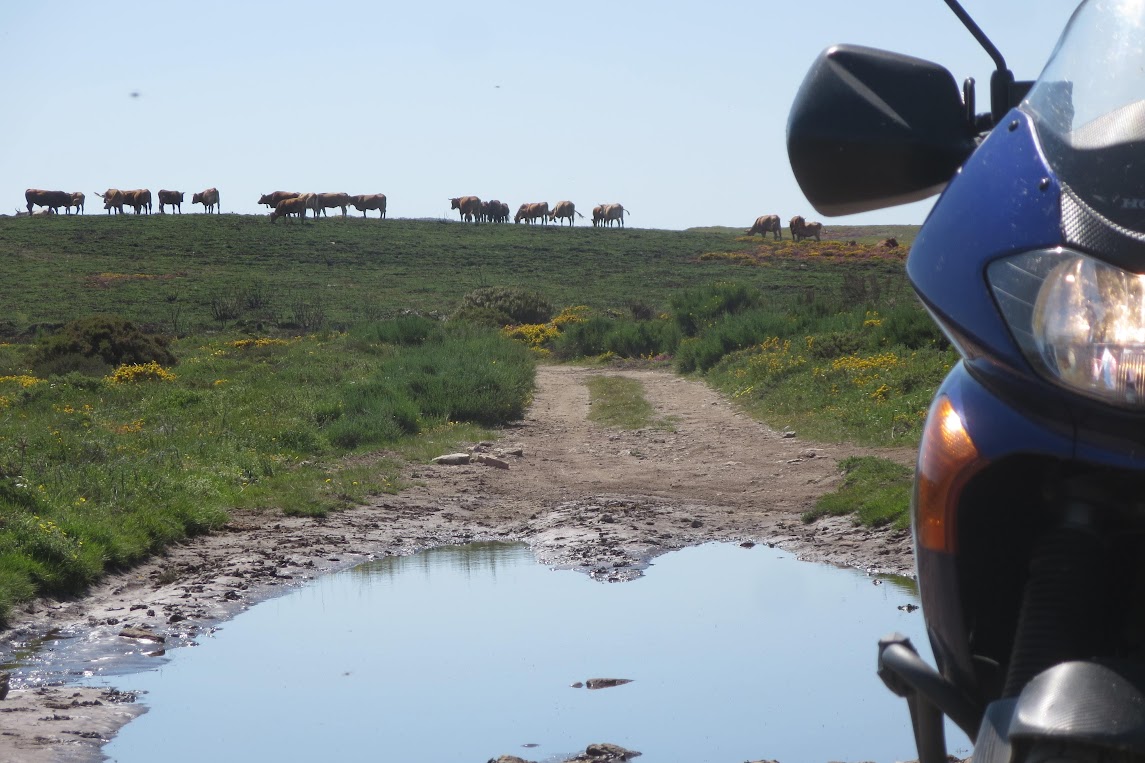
(1080, 321)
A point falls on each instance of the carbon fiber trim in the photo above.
(1089, 231)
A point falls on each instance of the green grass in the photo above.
(352, 373)
(619, 402)
(193, 273)
(875, 490)
(97, 474)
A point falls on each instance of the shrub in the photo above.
(405, 330)
(696, 309)
(95, 344)
(512, 302)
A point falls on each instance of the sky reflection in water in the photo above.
(465, 654)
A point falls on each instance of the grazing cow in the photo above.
(209, 199)
(614, 212)
(469, 207)
(272, 199)
(530, 212)
(564, 209)
(598, 215)
(323, 201)
(801, 229)
(174, 198)
(295, 205)
(765, 224)
(77, 201)
(364, 201)
(52, 200)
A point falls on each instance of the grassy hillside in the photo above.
(186, 274)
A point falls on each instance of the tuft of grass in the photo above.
(875, 490)
(619, 402)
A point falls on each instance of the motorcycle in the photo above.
(1028, 509)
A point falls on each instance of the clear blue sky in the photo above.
(677, 111)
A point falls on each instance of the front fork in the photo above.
(1061, 622)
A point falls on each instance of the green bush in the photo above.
(405, 330)
(696, 309)
(91, 345)
(514, 303)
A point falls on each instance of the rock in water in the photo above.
(606, 683)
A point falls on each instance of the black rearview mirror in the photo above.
(871, 129)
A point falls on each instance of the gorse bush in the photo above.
(98, 343)
(505, 304)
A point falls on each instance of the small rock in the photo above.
(747, 544)
(5, 684)
(696, 524)
(490, 461)
(577, 685)
(518, 452)
(908, 608)
(609, 753)
(452, 459)
(788, 435)
(133, 631)
(508, 759)
(606, 683)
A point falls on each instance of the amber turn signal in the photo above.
(947, 458)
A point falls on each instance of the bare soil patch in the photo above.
(582, 496)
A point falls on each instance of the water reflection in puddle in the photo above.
(464, 654)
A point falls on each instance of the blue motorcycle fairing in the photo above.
(1004, 200)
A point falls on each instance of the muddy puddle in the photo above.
(467, 653)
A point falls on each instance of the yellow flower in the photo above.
(136, 372)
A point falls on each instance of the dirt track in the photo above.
(582, 496)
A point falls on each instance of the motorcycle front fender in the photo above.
(1083, 704)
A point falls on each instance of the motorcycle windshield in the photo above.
(1088, 107)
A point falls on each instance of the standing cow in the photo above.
(530, 212)
(364, 201)
(78, 199)
(209, 199)
(322, 201)
(294, 205)
(174, 198)
(272, 199)
(765, 224)
(613, 213)
(801, 229)
(469, 207)
(52, 200)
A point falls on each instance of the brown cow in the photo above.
(469, 207)
(52, 200)
(322, 201)
(365, 201)
(174, 198)
(503, 213)
(801, 229)
(112, 200)
(530, 212)
(614, 212)
(765, 224)
(564, 209)
(138, 199)
(272, 199)
(209, 199)
(294, 205)
(598, 215)
(77, 201)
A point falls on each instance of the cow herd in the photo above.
(114, 200)
(471, 208)
(800, 228)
